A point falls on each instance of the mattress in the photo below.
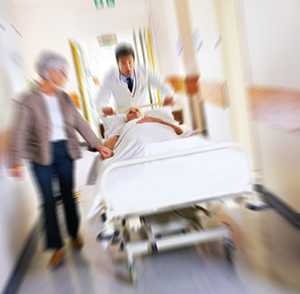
(175, 173)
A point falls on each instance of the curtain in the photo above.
(143, 43)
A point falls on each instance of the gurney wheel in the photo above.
(229, 249)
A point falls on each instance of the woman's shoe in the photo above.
(77, 243)
(57, 258)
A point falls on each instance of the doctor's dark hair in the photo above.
(124, 49)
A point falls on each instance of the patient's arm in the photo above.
(111, 142)
(106, 149)
(150, 119)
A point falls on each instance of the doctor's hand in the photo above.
(107, 111)
(169, 101)
(105, 152)
(17, 171)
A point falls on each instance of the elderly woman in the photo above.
(44, 133)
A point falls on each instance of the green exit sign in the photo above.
(104, 3)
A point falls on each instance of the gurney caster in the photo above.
(229, 250)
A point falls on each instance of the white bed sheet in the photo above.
(213, 170)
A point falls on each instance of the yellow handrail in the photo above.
(79, 76)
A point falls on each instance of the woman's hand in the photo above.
(105, 152)
(16, 171)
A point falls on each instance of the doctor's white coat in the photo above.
(114, 91)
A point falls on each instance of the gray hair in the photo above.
(50, 60)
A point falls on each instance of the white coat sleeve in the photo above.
(157, 83)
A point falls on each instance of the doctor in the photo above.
(128, 84)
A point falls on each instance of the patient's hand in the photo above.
(105, 152)
(178, 130)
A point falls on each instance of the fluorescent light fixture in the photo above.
(104, 3)
(107, 40)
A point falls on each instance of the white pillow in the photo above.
(113, 124)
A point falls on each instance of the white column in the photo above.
(228, 14)
(184, 24)
(234, 66)
(163, 22)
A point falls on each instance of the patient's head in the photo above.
(133, 113)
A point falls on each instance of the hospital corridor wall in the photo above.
(18, 198)
(273, 80)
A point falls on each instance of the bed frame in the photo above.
(150, 232)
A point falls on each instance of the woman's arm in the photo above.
(106, 150)
(150, 119)
(83, 127)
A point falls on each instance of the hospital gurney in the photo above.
(156, 203)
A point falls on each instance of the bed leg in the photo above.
(103, 217)
(132, 273)
(256, 207)
(153, 248)
(229, 250)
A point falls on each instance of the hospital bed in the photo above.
(152, 204)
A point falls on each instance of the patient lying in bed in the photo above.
(140, 130)
(136, 136)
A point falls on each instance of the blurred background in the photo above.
(242, 57)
